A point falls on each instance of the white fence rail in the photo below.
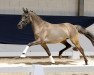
(42, 70)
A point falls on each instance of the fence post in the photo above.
(75, 55)
(38, 70)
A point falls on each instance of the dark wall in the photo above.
(10, 34)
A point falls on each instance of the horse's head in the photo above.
(25, 19)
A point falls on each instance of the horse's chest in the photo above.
(41, 35)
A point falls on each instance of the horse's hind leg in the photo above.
(77, 44)
(67, 47)
(48, 52)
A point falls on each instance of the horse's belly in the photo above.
(56, 35)
(56, 38)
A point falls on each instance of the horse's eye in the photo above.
(24, 17)
(23, 21)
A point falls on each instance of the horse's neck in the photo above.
(36, 22)
(36, 19)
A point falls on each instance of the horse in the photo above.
(48, 33)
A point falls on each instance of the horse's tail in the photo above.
(89, 35)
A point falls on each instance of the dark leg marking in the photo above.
(67, 46)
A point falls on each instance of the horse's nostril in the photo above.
(18, 26)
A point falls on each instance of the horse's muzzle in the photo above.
(19, 26)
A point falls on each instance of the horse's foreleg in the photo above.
(26, 48)
(48, 52)
(67, 46)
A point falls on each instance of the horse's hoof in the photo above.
(23, 56)
(86, 63)
(53, 62)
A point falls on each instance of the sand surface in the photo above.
(46, 61)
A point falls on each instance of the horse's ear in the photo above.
(25, 10)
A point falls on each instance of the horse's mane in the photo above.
(36, 17)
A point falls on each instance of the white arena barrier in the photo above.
(43, 69)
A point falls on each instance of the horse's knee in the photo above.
(29, 44)
(32, 43)
(69, 45)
